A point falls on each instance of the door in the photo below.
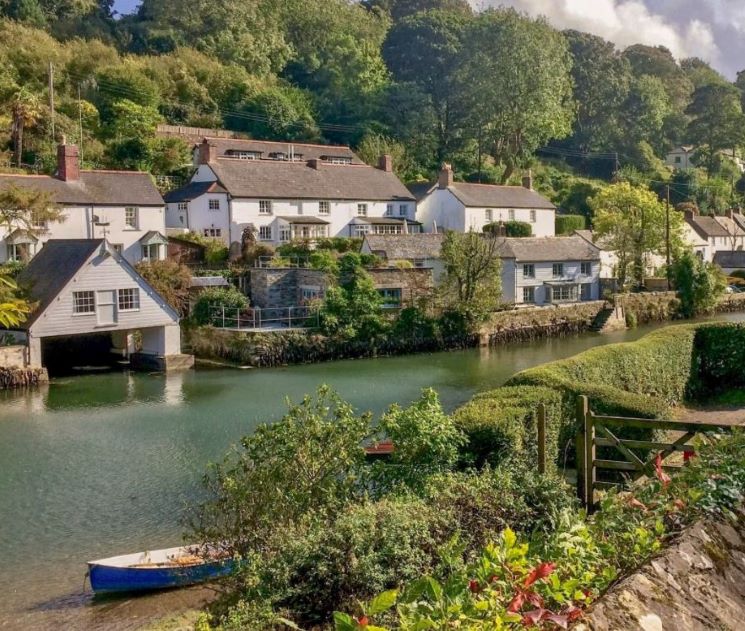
(106, 306)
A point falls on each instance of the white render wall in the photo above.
(441, 208)
(78, 224)
(512, 277)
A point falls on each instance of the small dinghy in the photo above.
(159, 569)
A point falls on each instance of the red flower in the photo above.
(659, 472)
(363, 621)
(474, 586)
(539, 572)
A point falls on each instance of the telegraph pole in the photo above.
(51, 98)
(667, 234)
(80, 125)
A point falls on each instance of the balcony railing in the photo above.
(300, 317)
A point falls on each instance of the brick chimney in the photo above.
(68, 162)
(446, 176)
(385, 163)
(207, 152)
(689, 213)
(315, 163)
(528, 180)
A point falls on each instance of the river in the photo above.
(105, 464)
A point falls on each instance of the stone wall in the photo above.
(22, 377)
(649, 306)
(698, 583)
(414, 282)
(13, 356)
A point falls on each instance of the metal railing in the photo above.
(299, 317)
(286, 261)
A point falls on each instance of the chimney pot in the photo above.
(207, 152)
(528, 180)
(314, 163)
(385, 163)
(689, 213)
(446, 176)
(68, 163)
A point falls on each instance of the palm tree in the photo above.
(13, 310)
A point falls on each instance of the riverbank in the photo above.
(282, 348)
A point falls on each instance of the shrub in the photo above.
(509, 229)
(567, 224)
(720, 357)
(171, 280)
(216, 252)
(339, 244)
(230, 298)
(699, 284)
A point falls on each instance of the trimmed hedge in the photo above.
(720, 359)
(567, 224)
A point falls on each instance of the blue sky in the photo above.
(713, 30)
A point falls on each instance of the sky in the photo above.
(713, 30)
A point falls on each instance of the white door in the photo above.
(106, 306)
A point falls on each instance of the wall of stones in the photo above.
(22, 377)
(13, 356)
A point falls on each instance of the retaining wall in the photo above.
(13, 356)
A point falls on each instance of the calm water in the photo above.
(100, 465)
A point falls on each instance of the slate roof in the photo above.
(303, 219)
(548, 249)
(491, 196)
(730, 260)
(52, 268)
(420, 189)
(303, 151)
(395, 247)
(208, 281)
(589, 236)
(99, 188)
(707, 226)
(192, 190)
(296, 180)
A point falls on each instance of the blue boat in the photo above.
(159, 569)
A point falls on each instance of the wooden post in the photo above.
(585, 453)
(541, 422)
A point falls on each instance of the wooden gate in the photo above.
(601, 431)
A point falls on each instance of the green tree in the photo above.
(27, 210)
(171, 280)
(659, 62)
(644, 113)
(717, 122)
(633, 222)
(13, 308)
(219, 304)
(472, 282)
(700, 73)
(402, 9)
(373, 145)
(699, 284)
(516, 83)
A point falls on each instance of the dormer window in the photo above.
(337, 159)
(244, 155)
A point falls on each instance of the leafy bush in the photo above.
(567, 224)
(509, 229)
(339, 244)
(207, 306)
(171, 280)
(699, 284)
(720, 357)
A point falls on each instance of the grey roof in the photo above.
(546, 249)
(589, 236)
(100, 188)
(420, 189)
(52, 268)
(151, 237)
(208, 281)
(296, 180)
(303, 219)
(491, 196)
(389, 221)
(396, 247)
(707, 226)
(192, 190)
(730, 260)
(306, 151)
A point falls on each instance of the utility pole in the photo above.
(667, 235)
(51, 98)
(80, 125)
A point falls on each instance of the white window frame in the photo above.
(147, 251)
(265, 206)
(528, 270)
(265, 233)
(213, 204)
(131, 218)
(385, 294)
(389, 210)
(128, 299)
(529, 295)
(489, 215)
(324, 207)
(182, 206)
(557, 270)
(362, 210)
(533, 216)
(403, 210)
(585, 268)
(511, 214)
(79, 300)
(285, 234)
(212, 233)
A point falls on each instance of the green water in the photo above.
(104, 464)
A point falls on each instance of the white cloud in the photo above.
(627, 22)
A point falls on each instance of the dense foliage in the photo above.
(567, 224)
(699, 284)
(219, 306)
(171, 280)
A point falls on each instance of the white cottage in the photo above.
(550, 270)
(124, 207)
(84, 287)
(709, 235)
(286, 195)
(462, 206)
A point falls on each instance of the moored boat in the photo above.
(159, 569)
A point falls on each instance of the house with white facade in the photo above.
(124, 207)
(549, 270)
(421, 250)
(609, 258)
(681, 158)
(85, 291)
(711, 234)
(461, 206)
(288, 197)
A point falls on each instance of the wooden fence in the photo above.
(601, 431)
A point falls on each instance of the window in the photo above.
(183, 206)
(360, 231)
(403, 210)
(389, 210)
(511, 214)
(585, 268)
(388, 229)
(247, 155)
(309, 292)
(564, 293)
(532, 216)
(677, 160)
(265, 207)
(214, 204)
(362, 210)
(391, 298)
(489, 215)
(213, 232)
(324, 208)
(20, 251)
(558, 270)
(129, 299)
(83, 302)
(336, 159)
(265, 233)
(586, 291)
(529, 270)
(151, 252)
(529, 294)
(285, 233)
(130, 217)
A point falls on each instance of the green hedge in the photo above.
(720, 359)
(567, 224)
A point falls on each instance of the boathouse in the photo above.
(93, 307)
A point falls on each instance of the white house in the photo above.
(288, 197)
(124, 207)
(461, 206)
(85, 288)
(609, 258)
(681, 158)
(711, 234)
(549, 270)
